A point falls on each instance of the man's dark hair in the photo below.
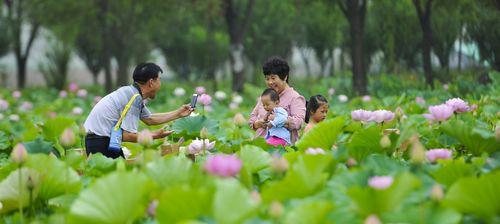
(276, 66)
(272, 94)
(146, 71)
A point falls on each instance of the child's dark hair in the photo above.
(272, 94)
(313, 104)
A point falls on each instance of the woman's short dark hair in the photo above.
(146, 71)
(276, 66)
(313, 104)
(272, 94)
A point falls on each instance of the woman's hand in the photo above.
(184, 111)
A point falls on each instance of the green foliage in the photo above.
(479, 196)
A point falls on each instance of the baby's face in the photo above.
(268, 104)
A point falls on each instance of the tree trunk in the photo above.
(122, 73)
(237, 67)
(355, 11)
(424, 16)
(21, 71)
(460, 39)
(236, 28)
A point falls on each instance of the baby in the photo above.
(277, 134)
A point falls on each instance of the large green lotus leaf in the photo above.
(98, 164)
(309, 212)
(423, 213)
(254, 158)
(193, 125)
(56, 177)
(169, 171)
(117, 198)
(232, 203)
(371, 201)
(53, 128)
(11, 193)
(306, 176)
(182, 203)
(4, 141)
(40, 146)
(365, 142)
(476, 140)
(383, 165)
(479, 196)
(450, 171)
(323, 135)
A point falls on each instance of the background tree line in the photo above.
(199, 38)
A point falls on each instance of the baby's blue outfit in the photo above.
(278, 129)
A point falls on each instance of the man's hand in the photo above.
(259, 123)
(184, 111)
(161, 133)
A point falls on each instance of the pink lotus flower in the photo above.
(19, 153)
(237, 99)
(73, 87)
(233, 106)
(331, 91)
(152, 207)
(343, 98)
(220, 95)
(26, 106)
(145, 137)
(200, 90)
(52, 114)
(239, 120)
(4, 105)
(205, 99)
(361, 115)
(197, 146)
(380, 182)
(458, 105)
(380, 116)
(366, 98)
(372, 219)
(63, 94)
(420, 100)
(315, 151)
(434, 154)
(67, 138)
(473, 107)
(439, 113)
(77, 111)
(179, 91)
(223, 165)
(16, 94)
(14, 117)
(82, 93)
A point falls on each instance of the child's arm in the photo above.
(280, 118)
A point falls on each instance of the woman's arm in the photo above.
(297, 113)
(254, 121)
